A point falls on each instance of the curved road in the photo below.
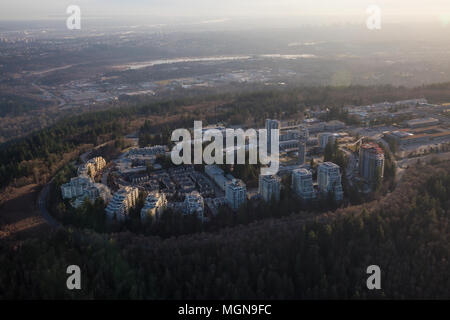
(42, 203)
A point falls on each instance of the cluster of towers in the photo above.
(289, 135)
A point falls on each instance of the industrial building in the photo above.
(419, 136)
(420, 123)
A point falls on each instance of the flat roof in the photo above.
(329, 164)
(424, 120)
(432, 135)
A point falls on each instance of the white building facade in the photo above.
(329, 180)
(92, 167)
(121, 203)
(269, 187)
(217, 175)
(82, 188)
(325, 138)
(75, 187)
(194, 204)
(302, 183)
(271, 125)
(236, 194)
(155, 204)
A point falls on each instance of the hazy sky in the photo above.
(42, 9)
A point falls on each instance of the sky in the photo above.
(45, 9)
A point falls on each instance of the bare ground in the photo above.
(19, 214)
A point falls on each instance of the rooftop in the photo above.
(302, 171)
(328, 165)
(373, 147)
(419, 121)
(235, 183)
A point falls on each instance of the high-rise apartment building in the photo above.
(302, 183)
(75, 187)
(302, 140)
(271, 125)
(194, 204)
(235, 194)
(155, 203)
(301, 152)
(121, 203)
(269, 187)
(371, 161)
(92, 167)
(325, 138)
(329, 179)
(303, 133)
(83, 188)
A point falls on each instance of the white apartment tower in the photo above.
(269, 187)
(301, 152)
(271, 125)
(329, 179)
(93, 192)
(303, 133)
(302, 183)
(194, 204)
(371, 159)
(82, 188)
(235, 194)
(154, 206)
(76, 187)
(122, 201)
(325, 138)
(302, 140)
(92, 167)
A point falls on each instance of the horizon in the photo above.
(345, 11)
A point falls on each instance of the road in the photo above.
(405, 163)
(61, 101)
(408, 161)
(84, 156)
(42, 203)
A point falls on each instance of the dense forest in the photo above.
(11, 104)
(50, 144)
(321, 256)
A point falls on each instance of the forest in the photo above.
(319, 256)
(18, 157)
